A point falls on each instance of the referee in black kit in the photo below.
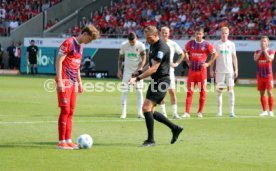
(158, 69)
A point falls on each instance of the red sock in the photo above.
(64, 113)
(189, 100)
(263, 101)
(271, 103)
(69, 125)
(202, 99)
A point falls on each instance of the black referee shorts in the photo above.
(33, 60)
(157, 89)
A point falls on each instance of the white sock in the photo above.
(174, 109)
(69, 141)
(231, 101)
(219, 98)
(124, 102)
(163, 109)
(61, 141)
(140, 101)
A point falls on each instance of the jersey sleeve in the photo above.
(143, 47)
(211, 48)
(178, 49)
(159, 55)
(65, 48)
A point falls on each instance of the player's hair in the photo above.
(151, 30)
(165, 28)
(131, 36)
(199, 29)
(91, 31)
(265, 37)
(224, 28)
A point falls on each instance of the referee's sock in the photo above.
(150, 125)
(161, 118)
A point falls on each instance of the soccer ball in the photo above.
(85, 141)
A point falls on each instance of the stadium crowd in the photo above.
(15, 12)
(246, 18)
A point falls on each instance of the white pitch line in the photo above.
(125, 120)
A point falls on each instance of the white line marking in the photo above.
(125, 120)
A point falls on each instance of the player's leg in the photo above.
(220, 79)
(148, 113)
(32, 68)
(189, 97)
(35, 68)
(69, 123)
(270, 97)
(140, 100)
(163, 85)
(125, 90)
(202, 95)
(261, 88)
(230, 83)
(173, 99)
(163, 108)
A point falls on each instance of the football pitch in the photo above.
(28, 132)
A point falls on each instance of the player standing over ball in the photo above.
(159, 70)
(264, 58)
(133, 54)
(198, 50)
(68, 80)
(174, 49)
(225, 73)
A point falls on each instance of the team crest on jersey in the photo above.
(160, 55)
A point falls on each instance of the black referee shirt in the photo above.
(160, 52)
(33, 50)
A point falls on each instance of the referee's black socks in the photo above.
(150, 124)
(161, 118)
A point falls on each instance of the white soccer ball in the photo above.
(85, 141)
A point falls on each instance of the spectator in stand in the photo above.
(11, 51)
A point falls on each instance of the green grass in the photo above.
(28, 133)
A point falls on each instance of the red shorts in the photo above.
(197, 78)
(68, 97)
(265, 83)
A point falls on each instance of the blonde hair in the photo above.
(92, 31)
(165, 28)
(224, 28)
(151, 30)
(265, 37)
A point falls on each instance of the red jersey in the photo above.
(264, 66)
(198, 53)
(71, 64)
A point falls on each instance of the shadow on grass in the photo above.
(30, 145)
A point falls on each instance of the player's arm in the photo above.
(269, 57)
(121, 58)
(211, 61)
(212, 70)
(147, 73)
(179, 60)
(80, 87)
(143, 60)
(235, 63)
(257, 55)
(60, 85)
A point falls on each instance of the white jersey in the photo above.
(224, 62)
(174, 49)
(132, 55)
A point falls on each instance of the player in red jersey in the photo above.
(68, 80)
(198, 51)
(264, 58)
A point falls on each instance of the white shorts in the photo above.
(126, 77)
(224, 80)
(172, 83)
